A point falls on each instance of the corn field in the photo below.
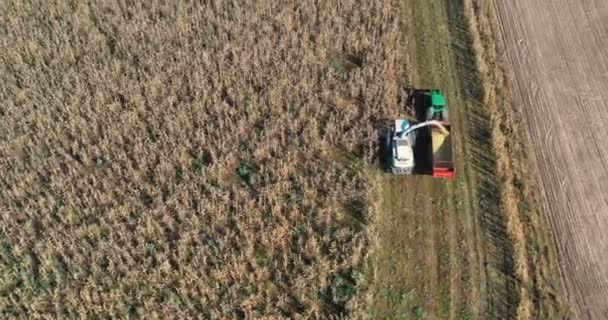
(191, 159)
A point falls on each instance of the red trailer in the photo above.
(442, 152)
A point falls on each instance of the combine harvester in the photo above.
(425, 147)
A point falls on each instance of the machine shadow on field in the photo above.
(503, 296)
(423, 151)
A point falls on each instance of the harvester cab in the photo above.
(401, 142)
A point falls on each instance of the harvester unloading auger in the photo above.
(425, 147)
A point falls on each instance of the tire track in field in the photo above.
(456, 257)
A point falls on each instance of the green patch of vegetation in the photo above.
(247, 174)
(343, 287)
(42, 284)
(7, 253)
(444, 304)
(131, 309)
(418, 312)
(298, 232)
(342, 64)
(100, 161)
(260, 256)
(465, 315)
(198, 166)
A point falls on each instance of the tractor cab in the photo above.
(438, 108)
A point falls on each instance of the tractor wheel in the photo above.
(445, 116)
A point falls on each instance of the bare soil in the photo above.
(558, 51)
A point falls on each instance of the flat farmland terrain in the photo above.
(220, 160)
(559, 56)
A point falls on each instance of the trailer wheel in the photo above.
(444, 116)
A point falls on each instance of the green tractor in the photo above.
(438, 108)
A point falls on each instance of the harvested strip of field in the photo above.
(476, 248)
(558, 54)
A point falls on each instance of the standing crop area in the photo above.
(180, 160)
